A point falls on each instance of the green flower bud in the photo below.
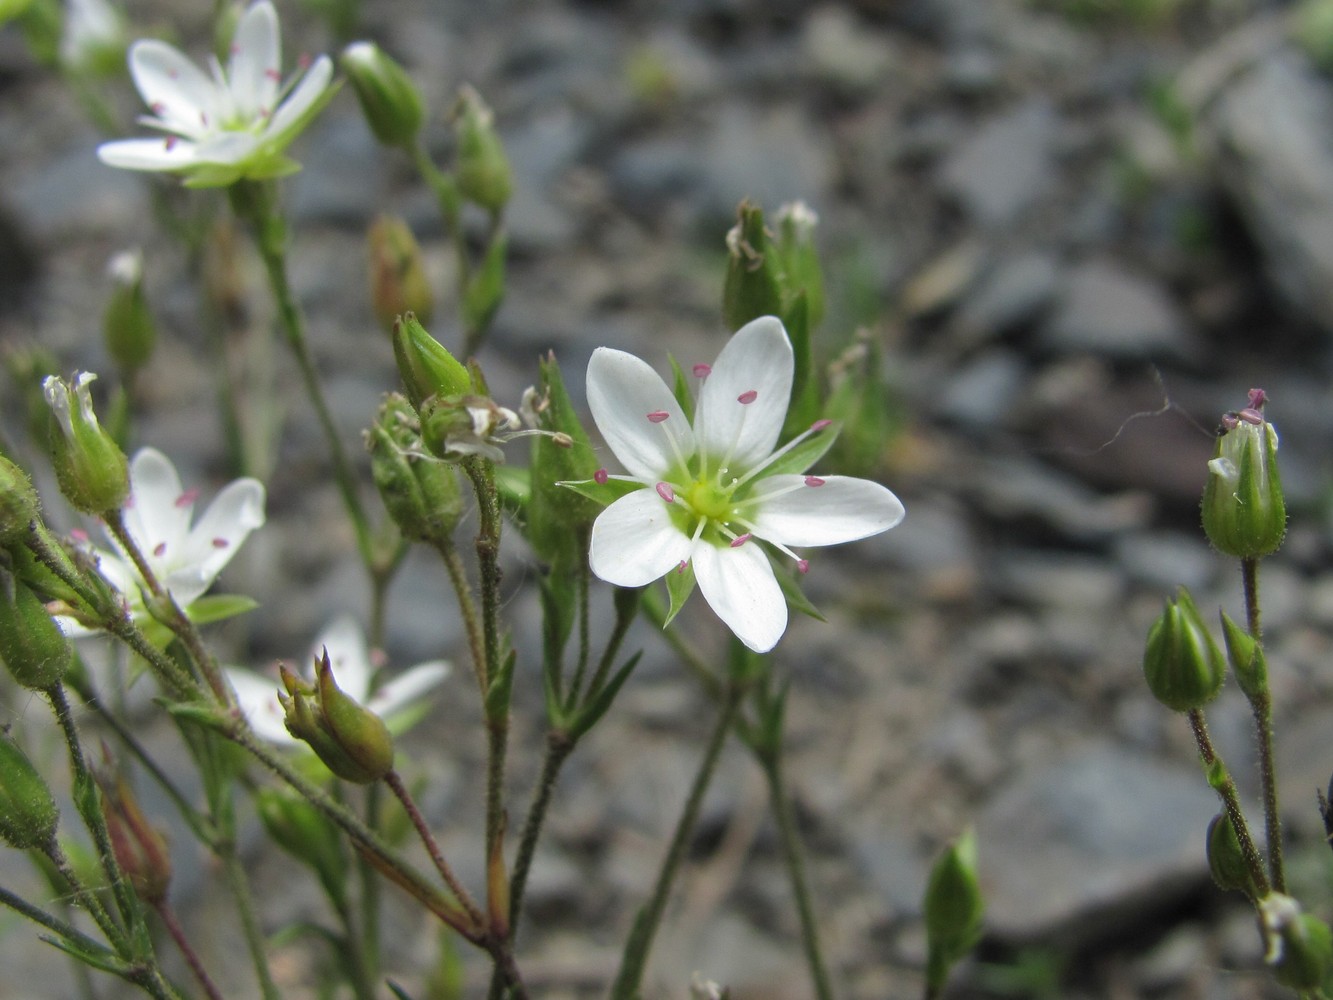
(421, 494)
(1244, 513)
(556, 515)
(19, 505)
(398, 282)
(751, 288)
(1182, 664)
(483, 168)
(352, 741)
(1300, 945)
(139, 847)
(307, 835)
(1225, 860)
(1247, 658)
(90, 467)
(389, 99)
(953, 908)
(126, 323)
(426, 368)
(32, 646)
(27, 811)
(801, 273)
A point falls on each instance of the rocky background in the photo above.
(1080, 230)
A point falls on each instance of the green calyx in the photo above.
(352, 741)
(1182, 663)
(28, 813)
(32, 646)
(1243, 509)
(92, 471)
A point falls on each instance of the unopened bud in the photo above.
(1181, 662)
(1247, 658)
(953, 908)
(483, 168)
(388, 98)
(801, 274)
(398, 283)
(421, 494)
(27, 811)
(426, 368)
(32, 646)
(126, 323)
(1244, 512)
(1226, 861)
(352, 741)
(139, 847)
(19, 506)
(1300, 945)
(751, 288)
(90, 467)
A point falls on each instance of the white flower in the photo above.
(349, 659)
(224, 125)
(93, 30)
(711, 490)
(185, 559)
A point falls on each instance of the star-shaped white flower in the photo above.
(349, 659)
(224, 125)
(712, 490)
(185, 559)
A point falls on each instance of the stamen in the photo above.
(665, 491)
(187, 498)
(702, 370)
(158, 108)
(159, 549)
(747, 397)
(170, 143)
(221, 543)
(740, 540)
(273, 75)
(1257, 399)
(1251, 416)
(681, 567)
(78, 534)
(657, 416)
(803, 566)
(813, 481)
(600, 477)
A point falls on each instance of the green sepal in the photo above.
(805, 454)
(514, 485)
(28, 814)
(804, 408)
(596, 706)
(1247, 658)
(952, 908)
(219, 607)
(751, 288)
(485, 289)
(90, 953)
(308, 836)
(796, 598)
(679, 585)
(680, 389)
(559, 603)
(605, 493)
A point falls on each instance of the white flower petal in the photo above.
(257, 697)
(739, 585)
(304, 96)
(408, 687)
(622, 391)
(177, 91)
(349, 656)
(634, 541)
(843, 509)
(147, 154)
(757, 359)
(228, 521)
(254, 69)
(158, 514)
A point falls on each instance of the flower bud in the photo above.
(751, 288)
(19, 505)
(1244, 513)
(90, 467)
(398, 283)
(556, 515)
(389, 99)
(1300, 945)
(483, 168)
(307, 835)
(139, 847)
(421, 494)
(1225, 859)
(27, 811)
(1182, 664)
(426, 368)
(486, 286)
(32, 646)
(801, 273)
(352, 741)
(952, 908)
(126, 323)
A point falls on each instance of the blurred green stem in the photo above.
(1261, 706)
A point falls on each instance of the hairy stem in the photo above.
(1261, 707)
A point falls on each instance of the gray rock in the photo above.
(541, 150)
(1005, 166)
(1167, 559)
(1095, 836)
(1010, 295)
(345, 177)
(981, 393)
(846, 53)
(1275, 151)
(1108, 310)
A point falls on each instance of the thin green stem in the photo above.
(580, 667)
(467, 609)
(87, 899)
(1225, 787)
(239, 885)
(366, 947)
(254, 203)
(634, 958)
(793, 853)
(53, 923)
(1261, 706)
(558, 748)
